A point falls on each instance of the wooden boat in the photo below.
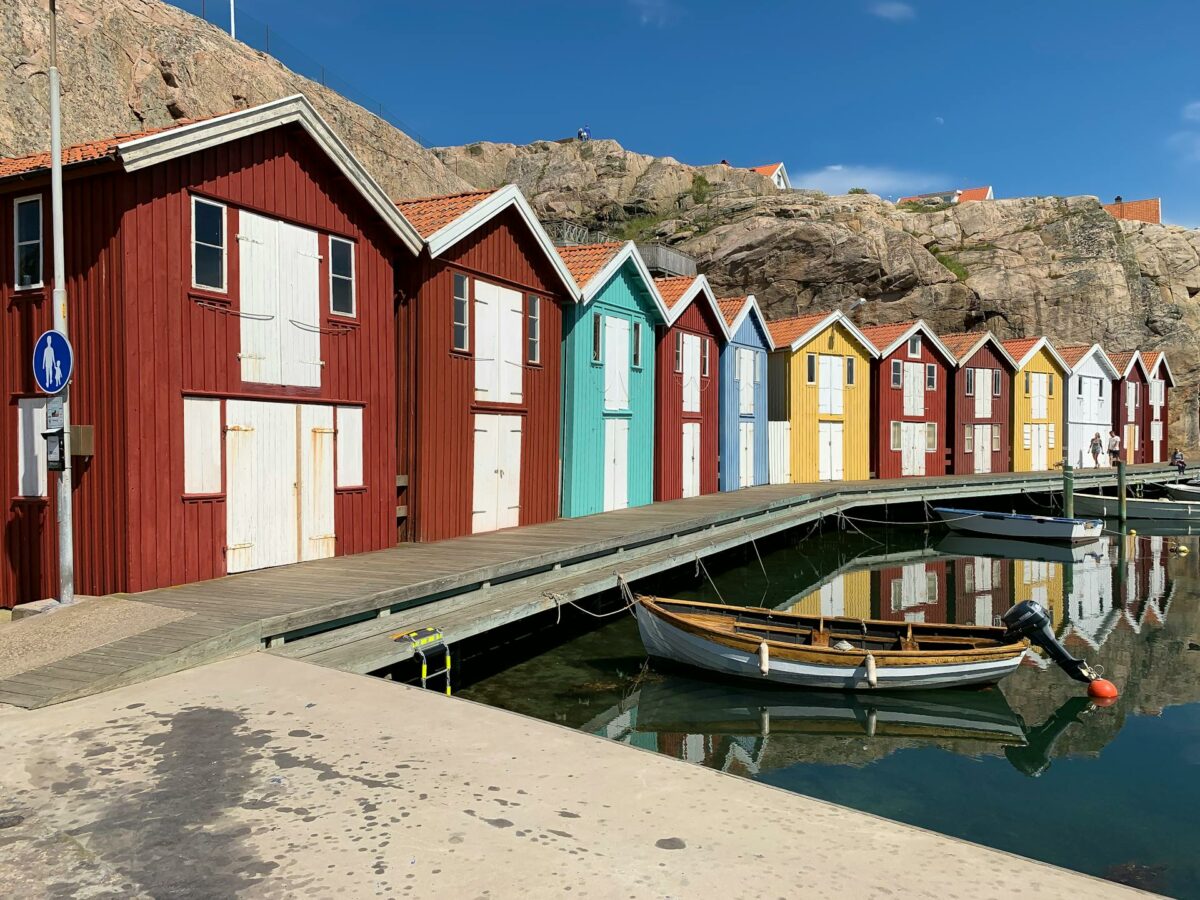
(1185, 491)
(1162, 509)
(825, 651)
(1022, 527)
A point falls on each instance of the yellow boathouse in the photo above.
(1037, 405)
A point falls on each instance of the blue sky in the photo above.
(1051, 97)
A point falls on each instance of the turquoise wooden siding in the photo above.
(750, 335)
(625, 296)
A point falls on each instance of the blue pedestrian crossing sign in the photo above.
(53, 361)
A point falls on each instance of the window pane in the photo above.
(812, 369)
(29, 221)
(596, 329)
(208, 267)
(29, 265)
(341, 258)
(341, 296)
(460, 337)
(460, 288)
(637, 345)
(210, 224)
(849, 370)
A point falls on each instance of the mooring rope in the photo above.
(700, 566)
(754, 544)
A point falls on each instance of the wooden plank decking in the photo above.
(340, 612)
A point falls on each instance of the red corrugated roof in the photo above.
(673, 289)
(585, 260)
(961, 342)
(80, 153)
(731, 307)
(428, 215)
(882, 336)
(784, 331)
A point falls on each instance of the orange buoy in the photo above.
(1103, 702)
(1102, 689)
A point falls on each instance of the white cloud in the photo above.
(882, 180)
(893, 11)
(939, 120)
(655, 13)
(1191, 111)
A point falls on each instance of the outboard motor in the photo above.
(1029, 619)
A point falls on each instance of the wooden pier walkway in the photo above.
(340, 612)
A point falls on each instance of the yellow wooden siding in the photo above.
(1022, 405)
(854, 589)
(1041, 581)
(856, 408)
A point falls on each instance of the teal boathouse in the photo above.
(608, 380)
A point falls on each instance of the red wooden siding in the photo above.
(963, 411)
(891, 587)
(697, 319)
(981, 601)
(145, 340)
(436, 425)
(1137, 452)
(887, 406)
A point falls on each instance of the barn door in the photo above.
(914, 389)
(983, 393)
(833, 597)
(983, 448)
(258, 261)
(691, 373)
(1040, 391)
(616, 464)
(508, 503)
(316, 536)
(829, 459)
(745, 454)
(691, 459)
(511, 330)
(1037, 450)
(261, 458)
(299, 319)
(616, 363)
(912, 448)
(485, 493)
(744, 369)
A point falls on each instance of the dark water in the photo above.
(1031, 767)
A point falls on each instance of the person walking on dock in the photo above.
(1114, 448)
(1096, 448)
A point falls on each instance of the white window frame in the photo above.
(636, 356)
(1051, 435)
(224, 248)
(914, 346)
(810, 368)
(851, 371)
(597, 339)
(704, 359)
(758, 358)
(930, 377)
(970, 388)
(894, 437)
(533, 329)
(31, 467)
(968, 438)
(995, 438)
(997, 385)
(353, 314)
(18, 244)
(897, 374)
(347, 466)
(465, 324)
(679, 352)
(931, 437)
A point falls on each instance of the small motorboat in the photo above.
(1005, 548)
(844, 653)
(1022, 527)
(1183, 491)
(1162, 509)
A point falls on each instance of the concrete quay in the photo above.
(262, 776)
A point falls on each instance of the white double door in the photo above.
(279, 484)
(691, 459)
(499, 343)
(745, 454)
(983, 448)
(496, 493)
(1039, 443)
(912, 448)
(616, 464)
(830, 456)
(280, 306)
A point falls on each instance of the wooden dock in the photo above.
(340, 612)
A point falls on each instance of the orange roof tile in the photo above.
(882, 336)
(784, 331)
(1018, 347)
(979, 193)
(960, 342)
(730, 307)
(429, 215)
(1073, 353)
(80, 153)
(767, 170)
(673, 289)
(585, 260)
(1122, 360)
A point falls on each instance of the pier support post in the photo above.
(1068, 491)
(1121, 491)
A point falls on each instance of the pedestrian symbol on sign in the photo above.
(53, 361)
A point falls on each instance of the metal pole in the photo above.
(232, 21)
(1121, 493)
(66, 531)
(1068, 491)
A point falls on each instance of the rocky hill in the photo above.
(133, 64)
(1059, 266)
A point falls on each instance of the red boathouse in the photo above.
(687, 398)
(908, 400)
(980, 398)
(1155, 444)
(480, 408)
(1131, 409)
(230, 288)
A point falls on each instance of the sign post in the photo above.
(66, 532)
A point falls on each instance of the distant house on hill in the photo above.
(956, 195)
(1136, 210)
(777, 172)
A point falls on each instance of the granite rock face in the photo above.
(1059, 266)
(128, 65)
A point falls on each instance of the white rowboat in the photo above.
(1183, 491)
(1022, 527)
(1136, 508)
